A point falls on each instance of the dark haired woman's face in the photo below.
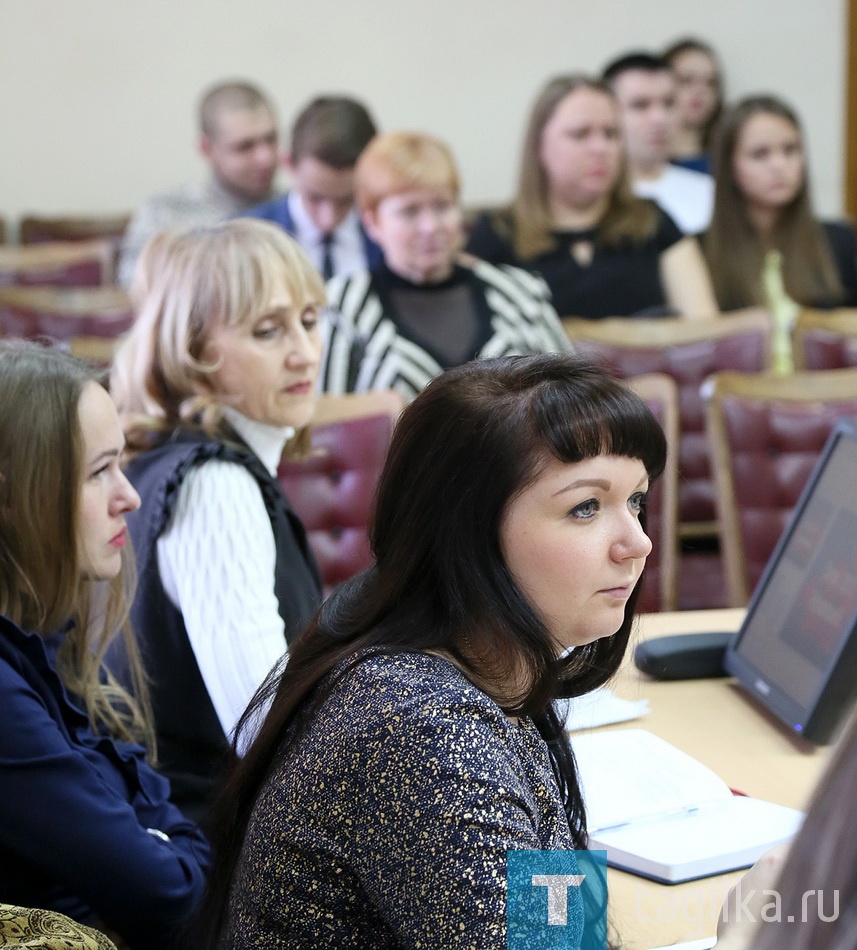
(768, 164)
(575, 546)
(697, 87)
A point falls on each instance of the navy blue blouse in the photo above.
(86, 827)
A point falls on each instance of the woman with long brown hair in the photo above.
(86, 827)
(765, 246)
(602, 251)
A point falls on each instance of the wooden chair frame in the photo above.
(806, 388)
(36, 259)
(93, 303)
(663, 389)
(72, 227)
(835, 323)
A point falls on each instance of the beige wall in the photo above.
(97, 97)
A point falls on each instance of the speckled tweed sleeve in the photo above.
(388, 826)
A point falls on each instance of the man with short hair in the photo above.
(645, 90)
(238, 139)
(327, 138)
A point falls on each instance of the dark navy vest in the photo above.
(193, 751)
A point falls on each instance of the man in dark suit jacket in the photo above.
(327, 139)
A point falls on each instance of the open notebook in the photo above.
(660, 813)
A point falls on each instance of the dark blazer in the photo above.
(76, 811)
(278, 212)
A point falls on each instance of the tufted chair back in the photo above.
(766, 432)
(659, 591)
(89, 320)
(333, 491)
(57, 264)
(825, 339)
(689, 351)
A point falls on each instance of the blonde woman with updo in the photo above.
(215, 379)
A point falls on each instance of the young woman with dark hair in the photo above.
(699, 100)
(765, 246)
(412, 737)
(86, 826)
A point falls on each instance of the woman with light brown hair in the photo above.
(424, 308)
(765, 246)
(86, 827)
(575, 221)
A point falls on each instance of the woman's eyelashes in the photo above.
(637, 501)
(588, 509)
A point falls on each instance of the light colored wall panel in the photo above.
(97, 97)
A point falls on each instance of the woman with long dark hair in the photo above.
(412, 739)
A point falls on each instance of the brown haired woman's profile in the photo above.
(86, 826)
(412, 738)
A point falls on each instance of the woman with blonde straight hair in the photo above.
(215, 379)
(86, 827)
(765, 246)
(575, 221)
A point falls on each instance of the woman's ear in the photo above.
(369, 217)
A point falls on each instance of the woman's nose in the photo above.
(127, 498)
(633, 541)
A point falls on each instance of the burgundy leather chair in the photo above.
(87, 320)
(57, 264)
(689, 351)
(333, 490)
(39, 229)
(766, 431)
(659, 590)
(825, 339)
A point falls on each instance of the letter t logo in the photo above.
(557, 885)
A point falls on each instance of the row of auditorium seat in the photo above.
(62, 290)
(748, 438)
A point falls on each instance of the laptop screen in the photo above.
(796, 651)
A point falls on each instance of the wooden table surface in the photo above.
(714, 721)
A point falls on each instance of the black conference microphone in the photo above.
(689, 656)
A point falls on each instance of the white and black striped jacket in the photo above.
(365, 349)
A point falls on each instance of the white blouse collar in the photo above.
(267, 442)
